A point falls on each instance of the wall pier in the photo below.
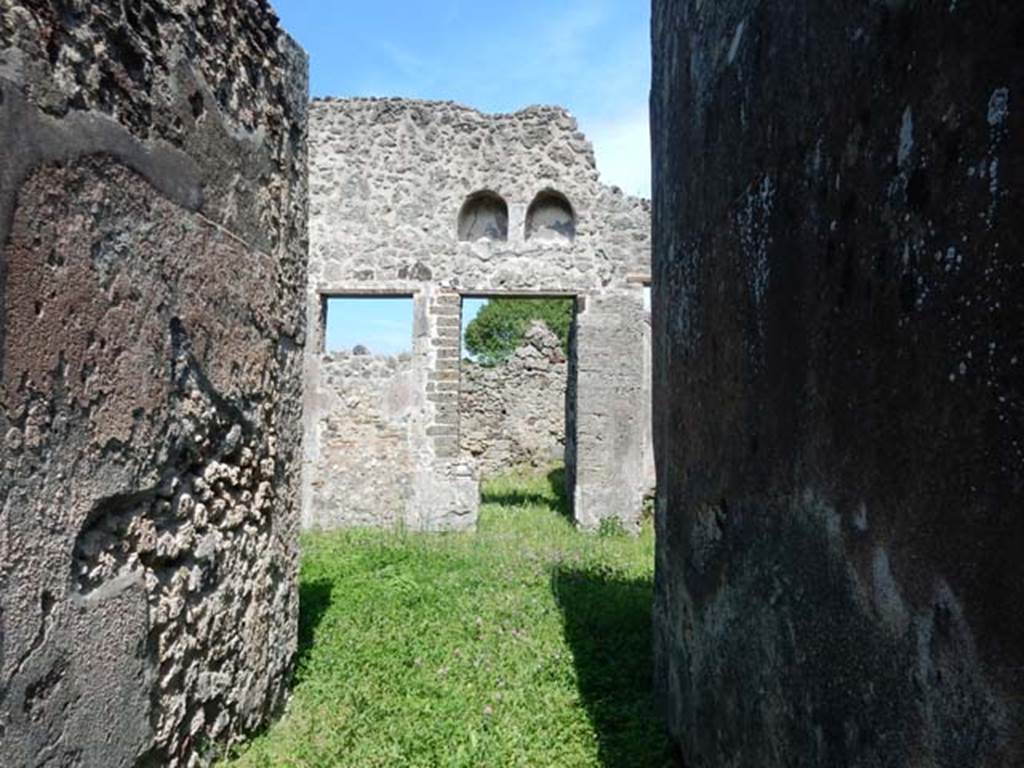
(611, 410)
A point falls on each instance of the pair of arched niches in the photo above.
(550, 218)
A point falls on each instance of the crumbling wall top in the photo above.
(390, 179)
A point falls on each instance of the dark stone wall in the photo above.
(839, 381)
(152, 271)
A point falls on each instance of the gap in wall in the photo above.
(373, 325)
(515, 386)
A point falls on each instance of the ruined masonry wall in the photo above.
(513, 414)
(367, 412)
(388, 178)
(152, 226)
(839, 379)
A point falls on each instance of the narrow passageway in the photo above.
(527, 643)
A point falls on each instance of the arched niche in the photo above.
(483, 215)
(551, 217)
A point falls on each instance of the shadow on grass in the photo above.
(556, 499)
(562, 505)
(314, 600)
(514, 498)
(607, 623)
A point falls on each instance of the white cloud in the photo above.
(623, 149)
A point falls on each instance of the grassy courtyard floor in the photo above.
(525, 644)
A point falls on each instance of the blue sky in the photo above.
(591, 56)
(383, 326)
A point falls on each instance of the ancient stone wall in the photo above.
(152, 225)
(367, 409)
(513, 414)
(437, 201)
(839, 381)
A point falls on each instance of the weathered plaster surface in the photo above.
(152, 221)
(369, 403)
(839, 379)
(388, 180)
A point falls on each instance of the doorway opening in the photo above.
(516, 393)
(367, 388)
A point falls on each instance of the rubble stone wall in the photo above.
(839, 381)
(368, 406)
(513, 414)
(152, 226)
(432, 200)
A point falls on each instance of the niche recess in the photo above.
(550, 217)
(484, 215)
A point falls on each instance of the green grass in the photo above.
(524, 644)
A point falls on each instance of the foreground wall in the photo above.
(839, 381)
(152, 224)
(393, 187)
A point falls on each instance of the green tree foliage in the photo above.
(499, 328)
